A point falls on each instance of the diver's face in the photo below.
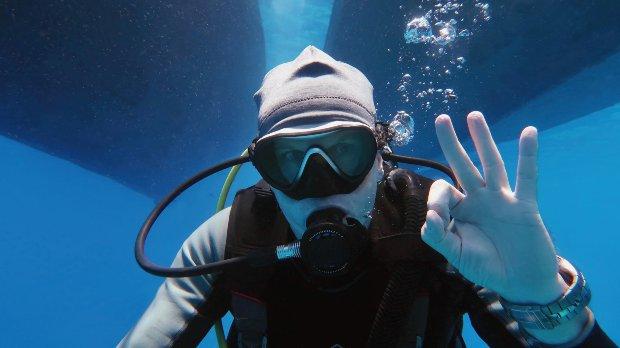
(357, 204)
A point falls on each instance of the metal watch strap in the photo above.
(549, 316)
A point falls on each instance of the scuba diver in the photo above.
(337, 246)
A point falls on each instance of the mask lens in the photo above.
(270, 160)
(289, 157)
(352, 150)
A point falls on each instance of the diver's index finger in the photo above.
(464, 169)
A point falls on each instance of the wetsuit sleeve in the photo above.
(497, 329)
(184, 309)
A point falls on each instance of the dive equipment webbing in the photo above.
(407, 275)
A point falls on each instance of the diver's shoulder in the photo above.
(219, 219)
(217, 223)
(208, 241)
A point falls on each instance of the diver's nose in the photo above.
(319, 178)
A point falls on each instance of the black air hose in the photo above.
(407, 275)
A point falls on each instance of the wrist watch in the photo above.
(552, 315)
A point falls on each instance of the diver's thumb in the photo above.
(436, 235)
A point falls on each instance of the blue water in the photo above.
(290, 26)
(66, 242)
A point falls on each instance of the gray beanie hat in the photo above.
(313, 89)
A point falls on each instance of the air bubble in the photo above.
(464, 33)
(447, 34)
(402, 126)
(449, 94)
(418, 30)
(451, 6)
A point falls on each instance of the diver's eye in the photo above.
(340, 149)
(290, 156)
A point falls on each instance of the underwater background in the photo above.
(107, 106)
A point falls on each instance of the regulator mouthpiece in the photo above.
(332, 243)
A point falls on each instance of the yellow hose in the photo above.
(219, 329)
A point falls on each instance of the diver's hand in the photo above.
(497, 238)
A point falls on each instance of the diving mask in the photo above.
(318, 163)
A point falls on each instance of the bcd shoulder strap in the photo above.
(255, 223)
(390, 244)
(400, 212)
